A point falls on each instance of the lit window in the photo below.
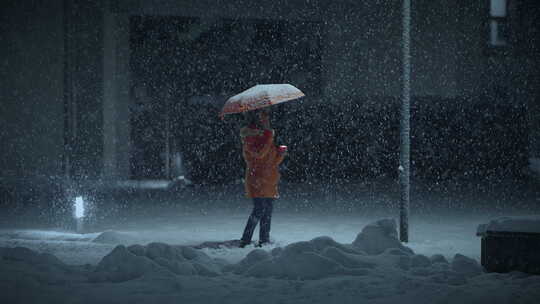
(498, 23)
(498, 8)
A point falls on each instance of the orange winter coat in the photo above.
(262, 159)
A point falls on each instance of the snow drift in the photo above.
(127, 263)
(375, 266)
(376, 250)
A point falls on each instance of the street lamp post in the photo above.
(405, 139)
(79, 213)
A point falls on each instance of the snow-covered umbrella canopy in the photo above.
(260, 96)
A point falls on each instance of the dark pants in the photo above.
(262, 211)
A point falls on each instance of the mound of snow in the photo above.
(375, 250)
(121, 265)
(377, 237)
(254, 257)
(438, 258)
(22, 254)
(419, 260)
(114, 238)
(26, 269)
(466, 266)
(128, 263)
(318, 258)
(321, 268)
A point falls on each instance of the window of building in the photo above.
(498, 23)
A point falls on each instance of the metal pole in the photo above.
(66, 156)
(80, 225)
(168, 136)
(405, 140)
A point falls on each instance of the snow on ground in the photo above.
(373, 267)
(318, 255)
(429, 234)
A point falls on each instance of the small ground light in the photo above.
(79, 213)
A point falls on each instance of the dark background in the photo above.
(97, 92)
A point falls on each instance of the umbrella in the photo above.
(260, 96)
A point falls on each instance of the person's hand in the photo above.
(282, 150)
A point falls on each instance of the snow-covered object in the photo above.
(25, 267)
(419, 260)
(121, 265)
(114, 237)
(438, 258)
(254, 257)
(260, 96)
(525, 224)
(466, 266)
(376, 237)
(322, 257)
(124, 264)
(319, 258)
(23, 254)
(143, 184)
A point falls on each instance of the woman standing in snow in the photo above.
(262, 159)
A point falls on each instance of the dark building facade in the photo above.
(107, 91)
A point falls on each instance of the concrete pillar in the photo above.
(116, 99)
